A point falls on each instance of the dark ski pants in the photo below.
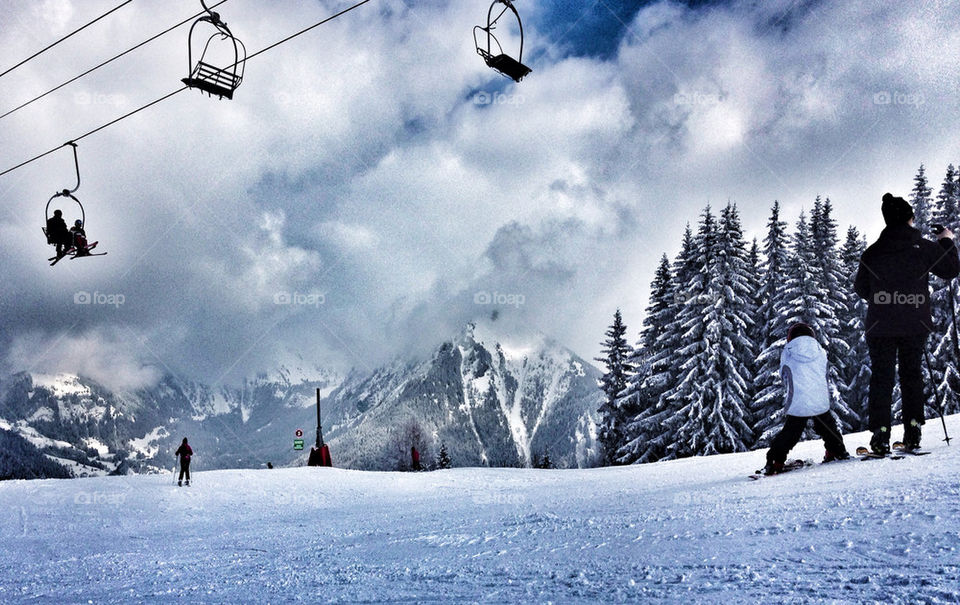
(185, 469)
(885, 352)
(792, 430)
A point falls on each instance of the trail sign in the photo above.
(299, 433)
(298, 444)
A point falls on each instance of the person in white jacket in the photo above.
(803, 368)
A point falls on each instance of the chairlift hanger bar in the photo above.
(179, 90)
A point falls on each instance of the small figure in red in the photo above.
(415, 458)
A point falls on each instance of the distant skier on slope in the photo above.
(803, 368)
(184, 452)
(893, 278)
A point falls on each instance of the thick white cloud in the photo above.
(378, 162)
(113, 357)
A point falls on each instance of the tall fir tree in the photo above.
(443, 458)
(944, 293)
(652, 373)
(835, 296)
(755, 270)
(714, 350)
(946, 208)
(767, 405)
(921, 200)
(856, 373)
(649, 439)
(616, 359)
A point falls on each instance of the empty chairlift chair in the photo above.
(219, 70)
(492, 51)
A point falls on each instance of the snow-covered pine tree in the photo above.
(940, 344)
(714, 352)
(835, 295)
(650, 431)
(921, 200)
(652, 373)
(856, 373)
(755, 269)
(767, 405)
(946, 208)
(443, 458)
(616, 359)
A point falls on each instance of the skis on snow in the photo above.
(900, 448)
(789, 465)
(897, 452)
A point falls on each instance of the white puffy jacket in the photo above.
(803, 367)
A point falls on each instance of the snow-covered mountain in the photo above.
(92, 430)
(497, 399)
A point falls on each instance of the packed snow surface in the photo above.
(696, 530)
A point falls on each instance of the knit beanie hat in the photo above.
(896, 210)
(800, 329)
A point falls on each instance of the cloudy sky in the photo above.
(376, 176)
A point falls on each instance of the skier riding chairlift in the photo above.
(55, 228)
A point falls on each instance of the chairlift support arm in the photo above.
(491, 23)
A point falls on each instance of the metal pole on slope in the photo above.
(319, 427)
(317, 457)
(940, 404)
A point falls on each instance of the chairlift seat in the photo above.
(213, 81)
(508, 66)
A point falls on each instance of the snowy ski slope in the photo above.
(695, 530)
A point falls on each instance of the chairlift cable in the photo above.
(76, 31)
(108, 61)
(179, 90)
(305, 30)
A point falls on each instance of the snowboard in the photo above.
(789, 465)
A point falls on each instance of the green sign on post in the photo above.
(298, 444)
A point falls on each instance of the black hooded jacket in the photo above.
(894, 280)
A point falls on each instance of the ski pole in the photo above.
(953, 315)
(933, 385)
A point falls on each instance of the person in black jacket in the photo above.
(57, 233)
(185, 452)
(893, 278)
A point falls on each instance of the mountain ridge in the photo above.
(494, 399)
